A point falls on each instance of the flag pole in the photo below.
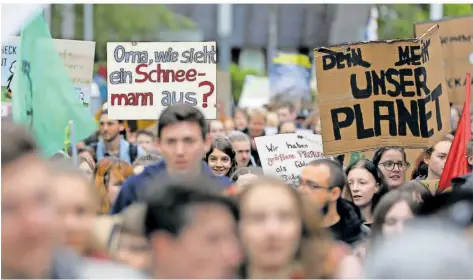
(73, 144)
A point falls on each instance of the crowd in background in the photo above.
(188, 198)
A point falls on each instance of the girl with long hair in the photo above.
(221, 157)
(366, 185)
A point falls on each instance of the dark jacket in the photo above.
(463, 182)
(132, 187)
(350, 229)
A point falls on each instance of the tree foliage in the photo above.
(396, 21)
(123, 22)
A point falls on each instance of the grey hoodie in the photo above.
(68, 265)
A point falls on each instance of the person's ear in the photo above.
(335, 193)
(121, 126)
(426, 159)
(377, 188)
(470, 160)
(160, 241)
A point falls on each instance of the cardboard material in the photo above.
(284, 155)
(456, 37)
(387, 93)
(145, 78)
(411, 154)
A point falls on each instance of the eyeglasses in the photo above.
(310, 184)
(389, 165)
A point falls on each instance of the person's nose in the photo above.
(355, 188)
(272, 226)
(70, 222)
(180, 148)
(396, 169)
(219, 163)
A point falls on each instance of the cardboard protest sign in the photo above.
(387, 93)
(146, 78)
(78, 57)
(284, 155)
(456, 38)
(411, 154)
(255, 92)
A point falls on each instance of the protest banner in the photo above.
(255, 93)
(289, 77)
(284, 155)
(78, 57)
(145, 78)
(386, 93)
(456, 38)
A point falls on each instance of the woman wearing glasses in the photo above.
(366, 185)
(393, 164)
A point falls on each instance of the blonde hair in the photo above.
(272, 119)
(257, 112)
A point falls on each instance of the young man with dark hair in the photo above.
(182, 143)
(146, 140)
(323, 180)
(192, 230)
(112, 143)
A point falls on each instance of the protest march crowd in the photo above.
(271, 191)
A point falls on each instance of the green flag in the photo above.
(44, 98)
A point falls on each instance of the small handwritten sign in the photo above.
(78, 58)
(284, 155)
(144, 78)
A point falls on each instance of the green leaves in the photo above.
(396, 20)
(123, 22)
(238, 79)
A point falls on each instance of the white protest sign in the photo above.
(78, 57)
(145, 78)
(255, 93)
(284, 155)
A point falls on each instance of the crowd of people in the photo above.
(189, 199)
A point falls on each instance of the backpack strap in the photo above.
(133, 152)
